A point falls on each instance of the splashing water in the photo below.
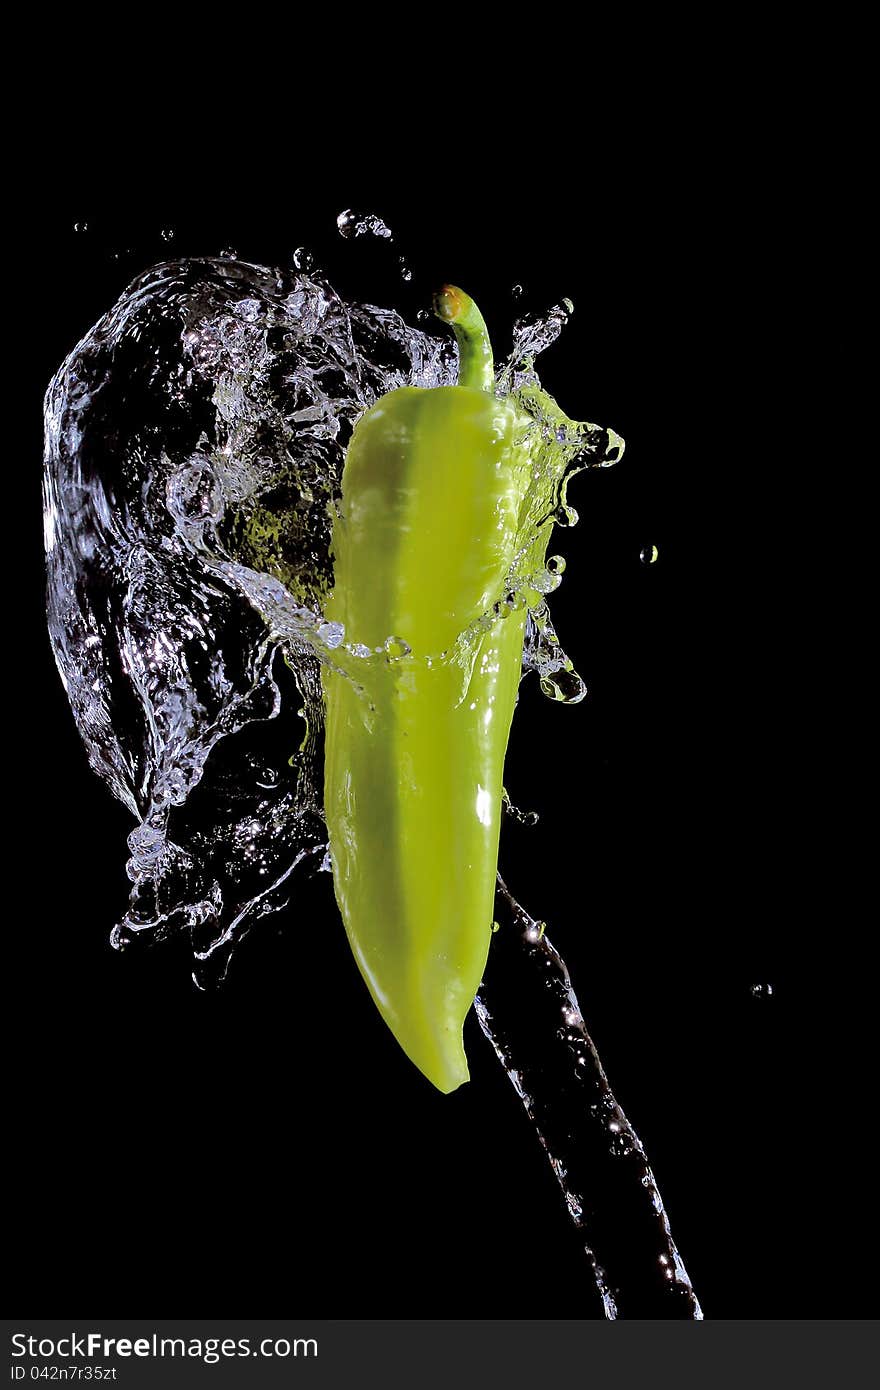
(194, 446)
(195, 440)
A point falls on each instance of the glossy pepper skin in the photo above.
(432, 492)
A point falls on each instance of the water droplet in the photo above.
(496, 926)
(331, 634)
(80, 226)
(167, 233)
(424, 316)
(566, 515)
(649, 554)
(556, 564)
(564, 686)
(521, 817)
(545, 581)
(405, 272)
(229, 253)
(396, 647)
(303, 258)
(353, 224)
(516, 291)
(358, 649)
(762, 991)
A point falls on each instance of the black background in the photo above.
(267, 1149)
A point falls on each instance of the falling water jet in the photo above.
(529, 1012)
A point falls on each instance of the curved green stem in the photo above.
(476, 368)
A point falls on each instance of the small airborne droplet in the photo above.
(167, 233)
(649, 555)
(353, 224)
(762, 991)
(303, 258)
(80, 226)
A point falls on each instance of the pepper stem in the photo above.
(475, 366)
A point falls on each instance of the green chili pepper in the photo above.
(433, 491)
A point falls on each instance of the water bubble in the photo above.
(303, 258)
(496, 927)
(405, 272)
(649, 554)
(229, 253)
(516, 291)
(167, 233)
(396, 647)
(564, 686)
(346, 223)
(556, 564)
(80, 226)
(331, 634)
(761, 991)
(424, 316)
(566, 515)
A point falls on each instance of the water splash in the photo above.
(194, 446)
